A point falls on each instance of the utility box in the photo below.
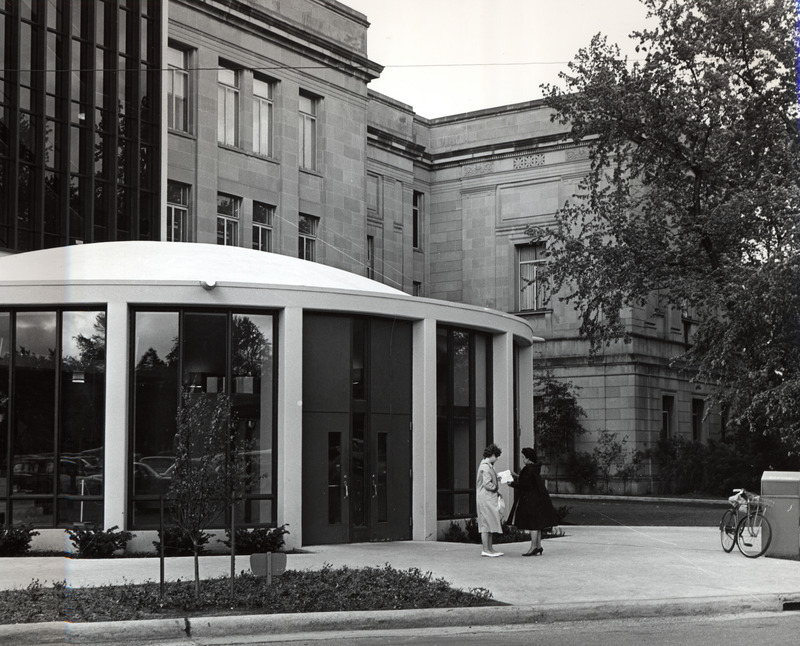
(782, 490)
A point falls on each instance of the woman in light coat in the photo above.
(487, 497)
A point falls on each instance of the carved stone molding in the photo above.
(574, 154)
(478, 169)
(529, 161)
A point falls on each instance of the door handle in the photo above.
(346, 493)
(374, 487)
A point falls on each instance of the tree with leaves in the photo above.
(557, 419)
(211, 469)
(693, 194)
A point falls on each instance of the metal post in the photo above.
(233, 545)
(163, 540)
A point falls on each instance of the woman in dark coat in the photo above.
(532, 511)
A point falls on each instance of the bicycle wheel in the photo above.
(753, 535)
(727, 530)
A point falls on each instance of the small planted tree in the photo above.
(556, 420)
(610, 456)
(210, 468)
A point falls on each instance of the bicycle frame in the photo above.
(744, 524)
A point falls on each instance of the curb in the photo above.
(142, 631)
(678, 501)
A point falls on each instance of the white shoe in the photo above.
(491, 554)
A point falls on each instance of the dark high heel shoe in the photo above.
(537, 551)
(529, 553)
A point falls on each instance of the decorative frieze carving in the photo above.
(478, 169)
(529, 161)
(574, 154)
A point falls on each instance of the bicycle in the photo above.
(750, 532)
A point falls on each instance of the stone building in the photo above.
(268, 139)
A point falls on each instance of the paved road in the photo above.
(635, 513)
(772, 629)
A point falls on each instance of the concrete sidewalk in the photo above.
(591, 572)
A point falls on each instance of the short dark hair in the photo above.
(491, 450)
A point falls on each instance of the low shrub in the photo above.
(583, 468)
(326, 590)
(15, 540)
(455, 533)
(258, 540)
(96, 543)
(468, 531)
(178, 543)
(562, 512)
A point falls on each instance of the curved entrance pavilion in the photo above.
(367, 409)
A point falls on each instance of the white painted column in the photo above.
(525, 385)
(115, 450)
(423, 416)
(290, 424)
(503, 397)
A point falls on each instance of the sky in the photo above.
(445, 57)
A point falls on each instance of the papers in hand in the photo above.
(505, 476)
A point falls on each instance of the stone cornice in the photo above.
(287, 35)
(394, 144)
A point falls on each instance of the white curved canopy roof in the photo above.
(143, 261)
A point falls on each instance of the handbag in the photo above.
(501, 504)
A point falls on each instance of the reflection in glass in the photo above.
(216, 352)
(358, 357)
(252, 397)
(461, 372)
(5, 355)
(334, 478)
(204, 351)
(380, 479)
(464, 386)
(83, 352)
(358, 516)
(32, 435)
(155, 395)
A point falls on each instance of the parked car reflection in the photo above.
(147, 481)
(159, 463)
(34, 474)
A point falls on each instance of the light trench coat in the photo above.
(486, 494)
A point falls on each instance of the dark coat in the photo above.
(532, 507)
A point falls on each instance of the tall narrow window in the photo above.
(371, 257)
(228, 107)
(416, 223)
(667, 413)
(698, 412)
(308, 132)
(262, 226)
(417, 288)
(228, 219)
(373, 193)
(307, 237)
(531, 289)
(177, 212)
(262, 117)
(177, 89)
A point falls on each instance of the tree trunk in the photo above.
(196, 572)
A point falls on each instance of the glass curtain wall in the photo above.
(79, 125)
(207, 352)
(464, 415)
(52, 412)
